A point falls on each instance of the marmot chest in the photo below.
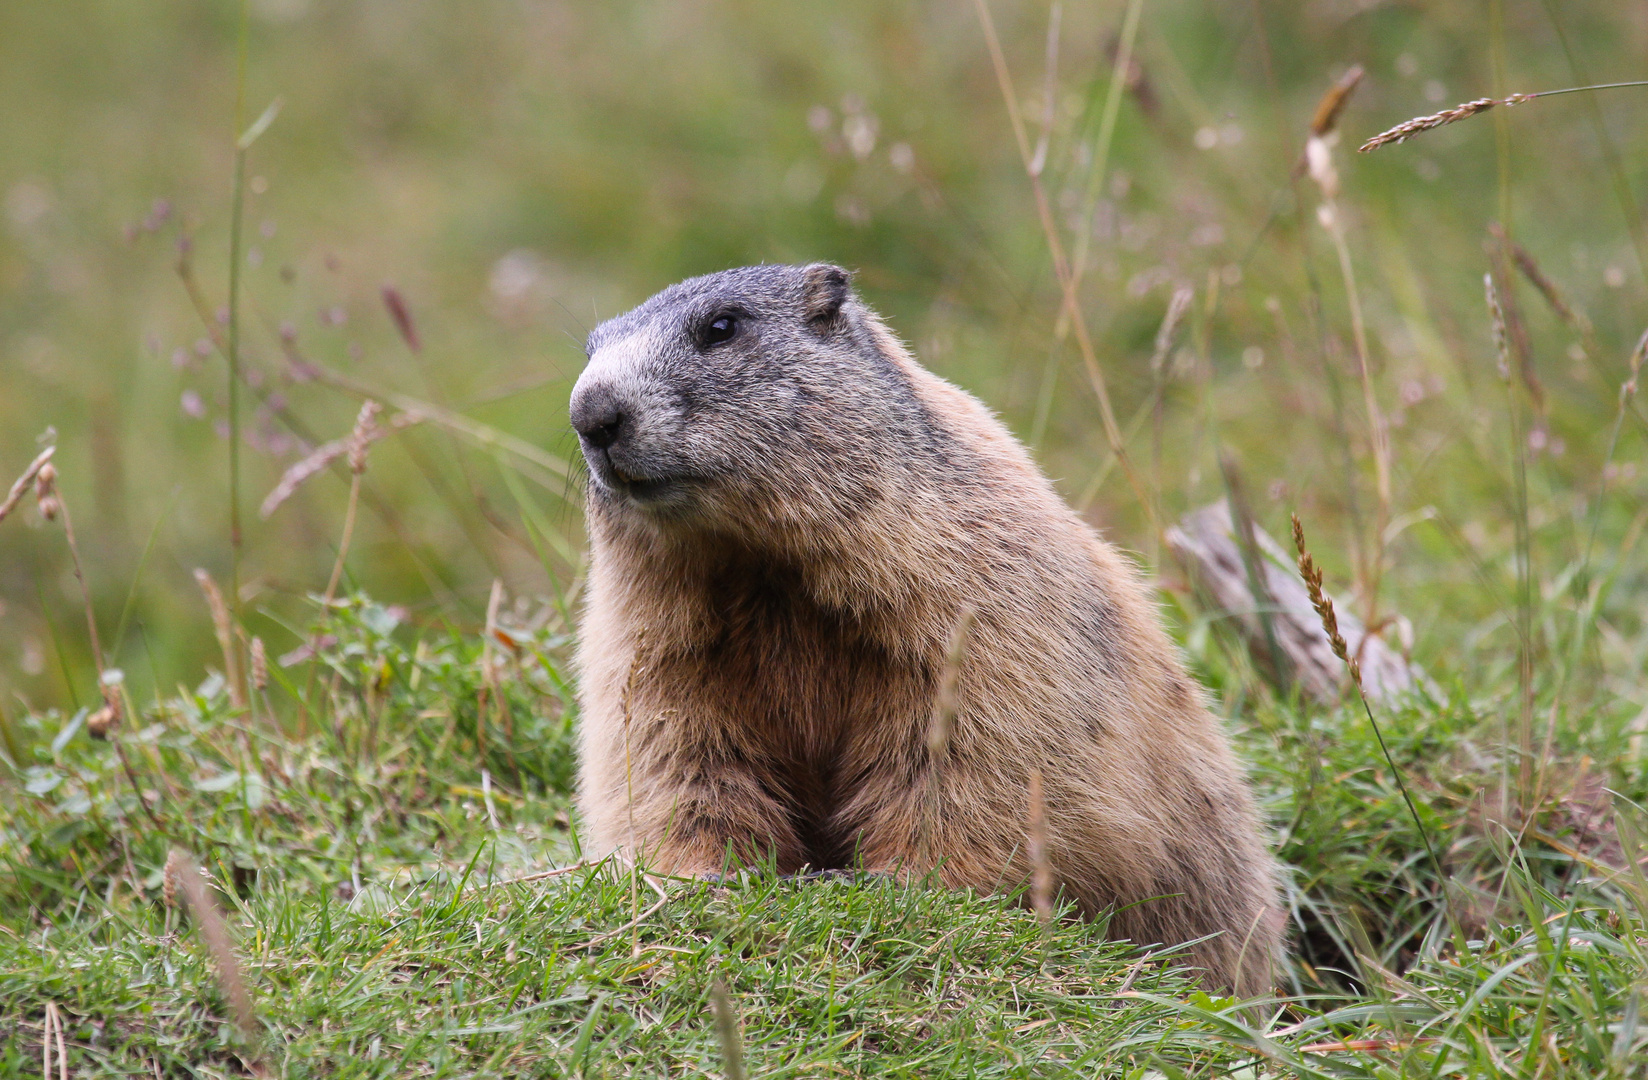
(806, 698)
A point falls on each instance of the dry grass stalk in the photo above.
(1176, 308)
(1126, 74)
(1038, 161)
(1069, 281)
(494, 701)
(1524, 623)
(324, 455)
(1496, 316)
(1409, 128)
(1553, 294)
(1500, 251)
(1334, 101)
(224, 629)
(1246, 531)
(260, 666)
(101, 723)
(191, 881)
(172, 876)
(1323, 604)
(401, 316)
(941, 724)
(626, 702)
(1041, 864)
(1319, 160)
(21, 487)
(532, 461)
(51, 1032)
(726, 1030)
(366, 431)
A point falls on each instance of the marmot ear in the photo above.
(824, 289)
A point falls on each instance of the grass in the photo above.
(369, 870)
(501, 175)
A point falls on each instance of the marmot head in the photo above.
(765, 396)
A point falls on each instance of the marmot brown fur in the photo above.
(789, 518)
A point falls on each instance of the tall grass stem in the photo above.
(237, 199)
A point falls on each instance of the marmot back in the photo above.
(789, 517)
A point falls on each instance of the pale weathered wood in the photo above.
(1205, 544)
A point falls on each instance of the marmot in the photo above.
(789, 517)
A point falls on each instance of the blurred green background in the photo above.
(519, 170)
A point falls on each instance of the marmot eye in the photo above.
(721, 328)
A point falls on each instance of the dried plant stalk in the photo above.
(191, 882)
(626, 702)
(1409, 128)
(224, 630)
(1553, 294)
(1319, 160)
(102, 723)
(401, 316)
(360, 439)
(1041, 864)
(324, 455)
(51, 1033)
(1334, 101)
(1068, 279)
(939, 727)
(1323, 604)
(172, 876)
(21, 487)
(260, 665)
(1176, 308)
(1515, 330)
(1524, 541)
(726, 1030)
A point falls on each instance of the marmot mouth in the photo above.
(638, 488)
(617, 480)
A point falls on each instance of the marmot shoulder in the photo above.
(789, 518)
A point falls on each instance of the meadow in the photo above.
(1141, 232)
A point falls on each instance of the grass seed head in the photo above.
(45, 492)
(401, 315)
(1553, 294)
(223, 628)
(1176, 308)
(366, 430)
(1320, 601)
(1334, 101)
(171, 877)
(30, 476)
(1502, 337)
(1409, 128)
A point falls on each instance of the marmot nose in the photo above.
(597, 416)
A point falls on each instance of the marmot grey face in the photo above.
(697, 405)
